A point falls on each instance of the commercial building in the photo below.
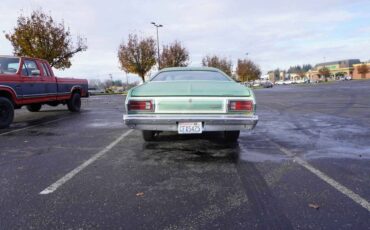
(275, 76)
(348, 67)
(336, 68)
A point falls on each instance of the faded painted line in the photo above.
(339, 187)
(52, 188)
(32, 126)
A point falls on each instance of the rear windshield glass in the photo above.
(9, 65)
(190, 76)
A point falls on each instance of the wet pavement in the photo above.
(305, 166)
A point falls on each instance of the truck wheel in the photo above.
(34, 107)
(74, 104)
(231, 136)
(148, 135)
(6, 112)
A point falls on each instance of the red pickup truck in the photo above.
(31, 82)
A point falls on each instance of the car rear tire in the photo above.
(34, 107)
(6, 112)
(231, 136)
(74, 104)
(148, 135)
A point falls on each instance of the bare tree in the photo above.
(221, 63)
(174, 55)
(40, 37)
(247, 70)
(137, 55)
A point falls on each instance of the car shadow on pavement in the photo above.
(206, 147)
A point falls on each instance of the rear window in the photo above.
(190, 75)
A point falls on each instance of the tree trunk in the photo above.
(142, 77)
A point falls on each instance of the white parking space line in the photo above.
(32, 126)
(52, 188)
(339, 187)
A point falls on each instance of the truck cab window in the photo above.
(45, 70)
(30, 68)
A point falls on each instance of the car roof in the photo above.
(190, 69)
(13, 56)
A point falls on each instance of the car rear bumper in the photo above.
(209, 122)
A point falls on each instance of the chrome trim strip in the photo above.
(45, 94)
(210, 122)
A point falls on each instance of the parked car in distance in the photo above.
(31, 82)
(287, 82)
(267, 84)
(347, 78)
(95, 91)
(280, 82)
(300, 81)
(191, 101)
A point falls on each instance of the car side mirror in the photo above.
(35, 72)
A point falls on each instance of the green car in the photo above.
(191, 101)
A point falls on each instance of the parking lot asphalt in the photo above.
(305, 166)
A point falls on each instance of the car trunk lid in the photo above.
(191, 88)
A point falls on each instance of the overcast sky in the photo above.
(274, 33)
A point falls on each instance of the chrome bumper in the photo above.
(210, 122)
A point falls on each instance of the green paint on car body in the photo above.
(192, 97)
(181, 105)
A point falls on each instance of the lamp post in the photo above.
(157, 26)
(246, 58)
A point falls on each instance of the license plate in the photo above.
(189, 127)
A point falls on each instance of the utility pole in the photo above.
(126, 81)
(246, 55)
(111, 78)
(157, 26)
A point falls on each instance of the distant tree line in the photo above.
(298, 69)
(137, 55)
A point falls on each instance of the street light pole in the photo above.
(157, 26)
(246, 55)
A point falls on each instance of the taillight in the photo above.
(240, 106)
(140, 106)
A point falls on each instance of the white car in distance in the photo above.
(279, 82)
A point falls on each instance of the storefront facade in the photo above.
(337, 69)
